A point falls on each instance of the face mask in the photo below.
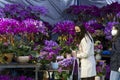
(114, 32)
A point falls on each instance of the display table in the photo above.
(26, 65)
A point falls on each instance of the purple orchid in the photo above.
(92, 25)
(65, 30)
(118, 15)
(66, 62)
(50, 51)
(83, 10)
(7, 26)
(34, 26)
(65, 27)
(12, 26)
(21, 12)
(52, 47)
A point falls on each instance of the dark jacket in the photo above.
(115, 55)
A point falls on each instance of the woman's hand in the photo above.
(74, 53)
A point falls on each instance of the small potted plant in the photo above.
(23, 52)
(65, 64)
(101, 70)
(49, 53)
(98, 49)
(66, 33)
(7, 51)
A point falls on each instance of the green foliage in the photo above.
(66, 49)
(6, 47)
(63, 75)
(24, 49)
(44, 61)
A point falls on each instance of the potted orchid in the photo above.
(102, 70)
(6, 47)
(6, 52)
(92, 26)
(31, 30)
(66, 32)
(98, 49)
(22, 36)
(65, 64)
(6, 37)
(22, 52)
(22, 12)
(49, 52)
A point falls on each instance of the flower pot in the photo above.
(74, 53)
(97, 77)
(103, 77)
(98, 56)
(8, 57)
(23, 59)
(54, 65)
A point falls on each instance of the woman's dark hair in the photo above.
(82, 33)
(117, 26)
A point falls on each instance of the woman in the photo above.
(115, 55)
(85, 53)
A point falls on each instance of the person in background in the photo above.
(85, 53)
(115, 53)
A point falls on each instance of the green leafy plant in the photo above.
(6, 52)
(62, 75)
(23, 49)
(66, 49)
(101, 68)
(6, 47)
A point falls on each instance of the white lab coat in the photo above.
(86, 54)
